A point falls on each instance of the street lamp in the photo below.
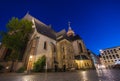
(31, 56)
(30, 63)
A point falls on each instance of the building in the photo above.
(62, 49)
(110, 56)
(95, 58)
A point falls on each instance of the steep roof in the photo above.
(45, 30)
(49, 32)
(62, 32)
(41, 27)
(76, 37)
(70, 38)
(29, 17)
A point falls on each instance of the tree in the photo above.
(39, 64)
(16, 37)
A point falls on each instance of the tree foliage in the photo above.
(39, 64)
(17, 36)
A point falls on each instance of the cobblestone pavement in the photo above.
(90, 75)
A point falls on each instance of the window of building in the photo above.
(102, 53)
(80, 47)
(45, 45)
(63, 56)
(105, 52)
(115, 60)
(54, 49)
(115, 51)
(104, 57)
(108, 52)
(105, 61)
(63, 49)
(112, 60)
(107, 57)
(110, 56)
(32, 51)
(111, 51)
(114, 57)
(117, 55)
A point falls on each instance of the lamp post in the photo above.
(46, 65)
(30, 63)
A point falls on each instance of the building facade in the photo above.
(95, 58)
(110, 56)
(62, 49)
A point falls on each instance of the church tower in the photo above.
(70, 31)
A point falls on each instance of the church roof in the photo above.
(76, 37)
(45, 31)
(71, 38)
(62, 32)
(41, 27)
(29, 17)
(48, 31)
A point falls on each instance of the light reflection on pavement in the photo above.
(90, 75)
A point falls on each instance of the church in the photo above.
(63, 49)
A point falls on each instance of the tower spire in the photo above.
(69, 27)
(28, 12)
(70, 31)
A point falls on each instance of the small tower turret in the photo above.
(70, 31)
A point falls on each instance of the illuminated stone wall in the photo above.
(83, 64)
(65, 54)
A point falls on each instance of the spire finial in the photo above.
(27, 12)
(69, 25)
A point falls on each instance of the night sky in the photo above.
(96, 21)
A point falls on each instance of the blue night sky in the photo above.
(96, 21)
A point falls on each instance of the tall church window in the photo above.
(63, 56)
(34, 43)
(80, 47)
(53, 47)
(54, 50)
(45, 45)
(63, 49)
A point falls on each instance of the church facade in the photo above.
(62, 49)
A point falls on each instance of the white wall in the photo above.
(41, 51)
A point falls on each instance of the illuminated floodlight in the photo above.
(31, 56)
(101, 51)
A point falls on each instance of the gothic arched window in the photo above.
(45, 45)
(80, 47)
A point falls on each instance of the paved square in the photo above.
(91, 75)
